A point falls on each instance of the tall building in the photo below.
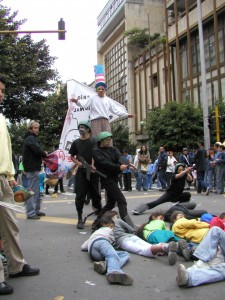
(117, 17)
(172, 70)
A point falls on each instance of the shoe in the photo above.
(182, 276)
(140, 209)
(130, 190)
(183, 249)
(5, 289)
(62, 191)
(47, 193)
(207, 191)
(100, 267)
(199, 264)
(35, 217)
(80, 224)
(121, 278)
(40, 214)
(26, 271)
(172, 254)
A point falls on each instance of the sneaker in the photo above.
(100, 267)
(182, 276)
(140, 209)
(199, 264)
(183, 249)
(40, 214)
(172, 254)
(121, 278)
(80, 224)
(207, 191)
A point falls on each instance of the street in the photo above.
(53, 244)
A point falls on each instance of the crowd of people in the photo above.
(114, 233)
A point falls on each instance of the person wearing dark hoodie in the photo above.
(32, 160)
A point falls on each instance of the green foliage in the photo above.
(140, 37)
(26, 66)
(175, 126)
(51, 121)
(121, 137)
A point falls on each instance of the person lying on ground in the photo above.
(107, 259)
(210, 266)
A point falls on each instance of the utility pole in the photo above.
(203, 77)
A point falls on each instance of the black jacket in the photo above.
(32, 153)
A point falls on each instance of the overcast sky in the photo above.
(77, 54)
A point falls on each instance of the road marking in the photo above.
(57, 220)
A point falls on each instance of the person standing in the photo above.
(127, 172)
(32, 161)
(143, 161)
(107, 161)
(200, 161)
(171, 161)
(220, 163)
(83, 147)
(17, 264)
(186, 159)
(101, 106)
(162, 164)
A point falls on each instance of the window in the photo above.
(155, 80)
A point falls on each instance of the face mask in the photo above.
(82, 130)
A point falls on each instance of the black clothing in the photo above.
(174, 193)
(32, 153)
(200, 159)
(107, 162)
(83, 148)
(83, 186)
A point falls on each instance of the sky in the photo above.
(78, 53)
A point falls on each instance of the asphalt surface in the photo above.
(53, 244)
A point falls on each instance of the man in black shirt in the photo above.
(175, 193)
(83, 147)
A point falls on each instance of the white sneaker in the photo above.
(182, 276)
(199, 264)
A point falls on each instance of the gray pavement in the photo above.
(53, 244)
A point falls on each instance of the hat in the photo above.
(85, 123)
(185, 149)
(99, 76)
(103, 135)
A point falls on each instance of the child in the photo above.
(100, 248)
(126, 239)
(190, 230)
(150, 171)
(154, 232)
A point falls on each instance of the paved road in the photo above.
(53, 244)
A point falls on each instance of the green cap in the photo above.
(103, 135)
(179, 165)
(86, 123)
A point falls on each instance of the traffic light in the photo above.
(61, 26)
(210, 122)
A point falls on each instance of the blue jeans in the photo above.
(220, 178)
(115, 260)
(201, 182)
(33, 204)
(149, 181)
(206, 251)
(142, 181)
(209, 179)
(162, 178)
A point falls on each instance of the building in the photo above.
(169, 70)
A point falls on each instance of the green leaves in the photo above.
(175, 126)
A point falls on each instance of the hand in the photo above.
(74, 100)
(13, 183)
(79, 164)
(123, 167)
(46, 152)
(93, 169)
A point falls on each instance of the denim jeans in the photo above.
(209, 179)
(162, 178)
(201, 182)
(115, 260)
(220, 178)
(142, 181)
(33, 204)
(149, 181)
(206, 251)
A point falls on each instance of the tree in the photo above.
(140, 37)
(121, 137)
(51, 122)
(26, 66)
(175, 126)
